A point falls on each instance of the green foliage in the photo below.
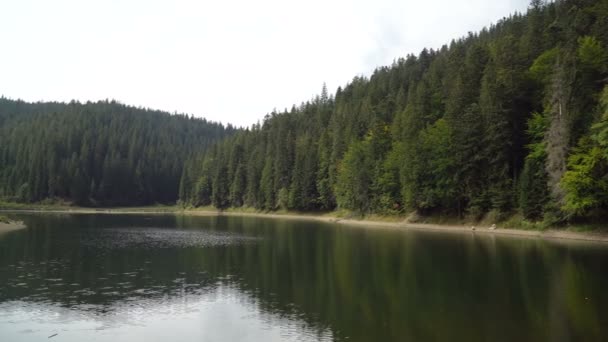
(267, 186)
(586, 181)
(533, 191)
(354, 178)
(431, 183)
(542, 68)
(388, 198)
(455, 131)
(466, 150)
(537, 128)
(283, 198)
(325, 199)
(219, 195)
(101, 153)
(23, 194)
(591, 54)
(600, 129)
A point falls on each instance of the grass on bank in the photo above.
(4, 219)
(50, 205)
(42, 205)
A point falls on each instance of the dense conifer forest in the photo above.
(512, 119)
(102, 153)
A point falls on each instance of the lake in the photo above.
(228, 278)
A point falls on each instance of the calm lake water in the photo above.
(171, 278)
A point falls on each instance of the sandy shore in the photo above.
(546, 234)
(11, 226)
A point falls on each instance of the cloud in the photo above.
(230, 61)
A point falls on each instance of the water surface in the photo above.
(158, 278)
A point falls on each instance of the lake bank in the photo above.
(9, 226)
(404, 224)
(331, 217)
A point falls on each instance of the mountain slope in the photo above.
(490, 123)
(102, 153)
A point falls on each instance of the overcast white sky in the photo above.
(231, 61)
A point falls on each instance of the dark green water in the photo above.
(158, 278)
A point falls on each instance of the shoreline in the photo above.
(549, 234)
(11, 226)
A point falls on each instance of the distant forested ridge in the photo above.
(101, 153)
(511, 119)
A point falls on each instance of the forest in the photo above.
(511, 119)
(96, 154)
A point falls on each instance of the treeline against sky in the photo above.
(101, 153)
(513, 118)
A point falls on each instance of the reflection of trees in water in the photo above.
(371, 284)
(363, 284)
(63, 262)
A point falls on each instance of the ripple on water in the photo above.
(113, 238)
(53, 282)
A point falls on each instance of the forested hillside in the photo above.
(511, 119)
(102, 153)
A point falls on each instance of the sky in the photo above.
(231, 61)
